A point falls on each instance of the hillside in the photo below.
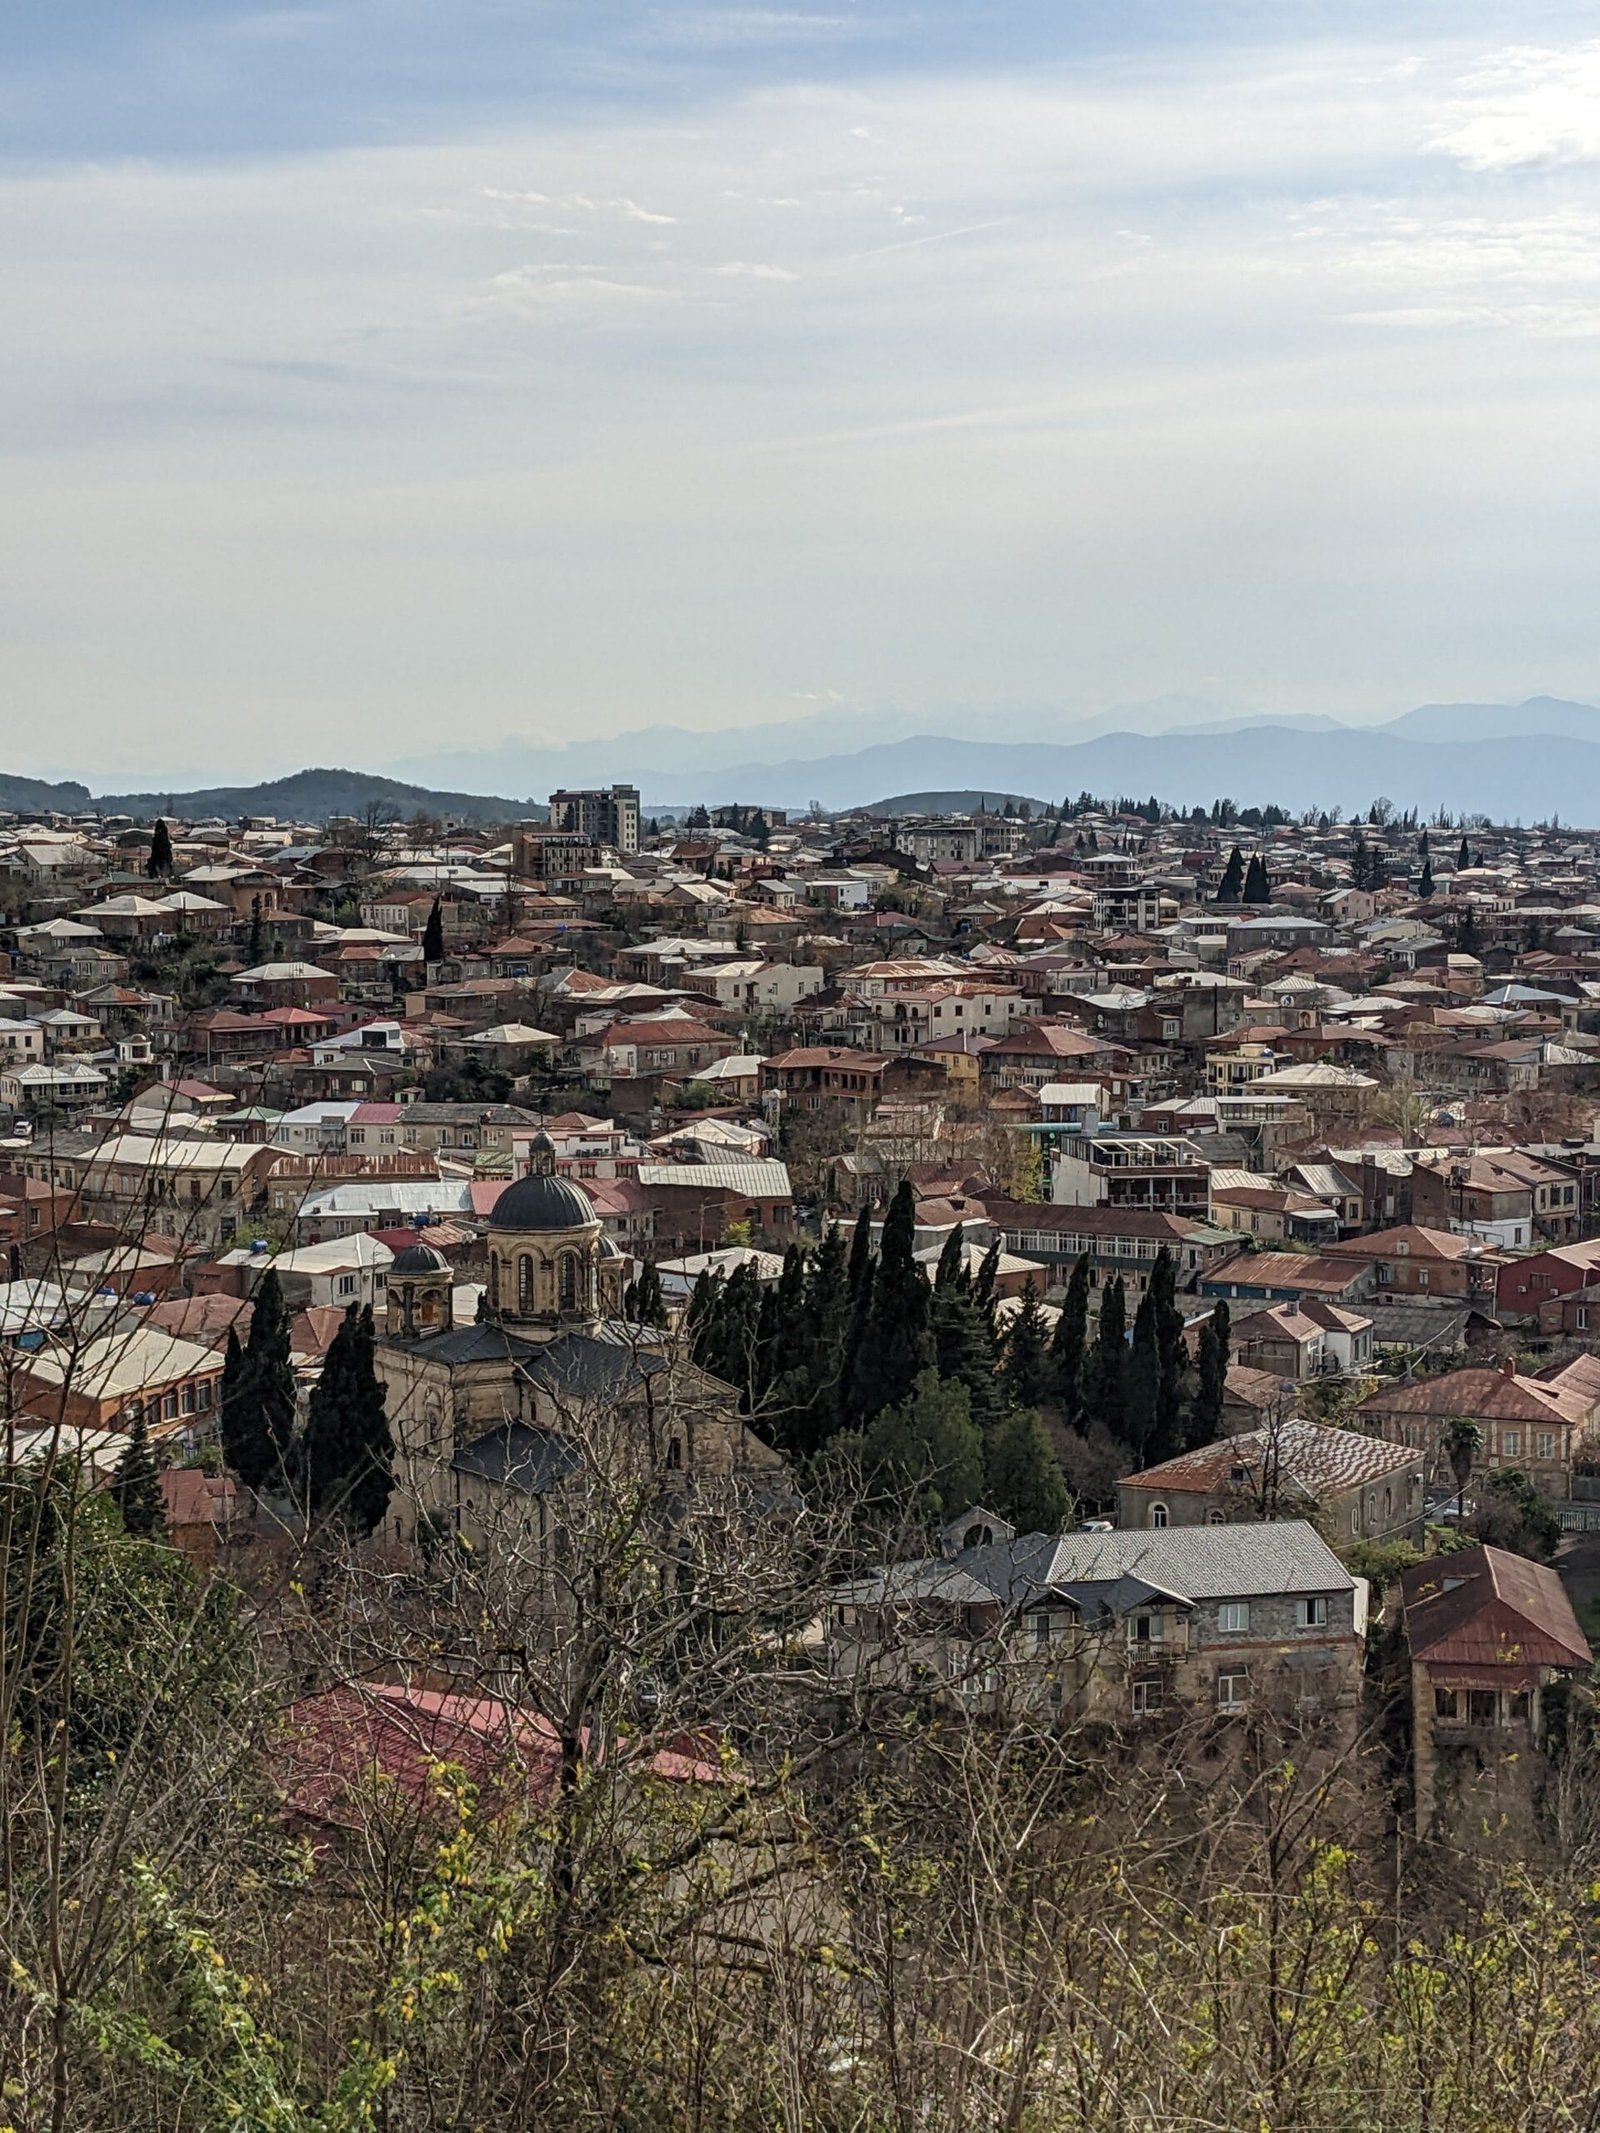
(40, 796)
(313, 796)
(956, 803)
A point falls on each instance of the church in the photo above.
(493, 1420)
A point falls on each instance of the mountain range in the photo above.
(1514, 762)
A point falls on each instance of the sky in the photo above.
(383, 381)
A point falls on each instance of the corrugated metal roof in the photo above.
(759, 1178)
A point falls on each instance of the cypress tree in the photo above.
(1141, 1384)
(825, 1325)
(898, 1345)
(258, 1405)
(1425, 885)
(1205, 1409)
(1022, 1477)
(983, 1288)
(952, 1260)
(699, 1319)
(1026, 1363)
(1171, 1356)
(1257, 886)
(1069, 1345)
(433, 934)
(159, 864)
(963, 1335)
(1463, 857)
(1423, 846)
(1230, 889)
(256, 952)
(643, 1301)
(136, 1484)
(347, 1458)
(1108, 1360)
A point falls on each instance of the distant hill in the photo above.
(313, 796)
(956, 803)
(1540, 716)
(29, 796)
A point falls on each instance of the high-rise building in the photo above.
(605, 815)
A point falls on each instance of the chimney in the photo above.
(1508, 1366)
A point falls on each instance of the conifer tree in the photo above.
(159, 864)
(1423, 846)
(861, 1259)
(1257, 885)
(258, 1405)
(817, 1402)
(1141, 1384)
(897, 1345)
(1109, 1359)
(256, 950)
(1211, 1386)
(1425, 885)
(1022, 1477)
(1025, 1366)
(347, 1457)
(1463, 856)
(136, 1484)
(643, 1301)
(1069, 1345)
(433, 934)
(1230, 889)
(983, 1295)
(924, 1454)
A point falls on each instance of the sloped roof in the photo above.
(1485, 1607)
(1317, 1460)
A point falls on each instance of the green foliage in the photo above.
(643, 1302)
(347, 1455)
(1512, 1514)
(433, 934)
(159, 864)
(1105, 1376)
(897, 1343)
(1211, 1380)
(1025, 1365)
(1381, 1562)
(1022, 1477)
(1230, 890)
(258, 1393)
(136, 1484)
(924, 1456)
(1069, 1345)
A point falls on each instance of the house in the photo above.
(1286, 1277)
(1424, 1265)
(1352, 1487)
(102, 1383)
(693, 1206)
(1488, 1637)
(1532, 1287)
(1500, 1198)
(1537, 1425)
(1120, 1242)
(1305, 1339)
(1121, 1628)
(824, 1077)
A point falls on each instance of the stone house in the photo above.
(1353, 1488)
(1536, 1425)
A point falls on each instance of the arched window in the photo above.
(525, 1286)
(1216, 1518)
(1158, 1514)
(567, 1279)
(494, 1281)
(675, 1455)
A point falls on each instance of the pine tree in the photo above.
(258, 1406)
(861, 1256)
(159, 864)
(817, 1402)
(1069, 1345)
(1230, 889)
(1025, 1366)
(1423, 846)
(699, 1318)
(898, 1345)
(347, 1457)
(136, 1484)
(983, 1288)
(433, 934)
(1141, 1384)
(925, 1453)
(1205, 1409)
(1257, 885)
(1108, 1360)
(1022, 1477)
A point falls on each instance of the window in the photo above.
(1148, 1700)
(203, 1395)
(347, 1284)
(1511, 1442)
(1158, 1514)
(675, 1455)
(1446, 1704)
(1216, 1518)
(186, 1399)
(1312, 1613)
(1483, 1707)
(1521, 1706)
(568, 1279)
(169, 1407)
(1545, 1444)
(525, 1286)
(1232, 1691)
(1233, 1616)
(1144, 1629)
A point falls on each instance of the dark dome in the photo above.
(540, 1202)
(419, 1258)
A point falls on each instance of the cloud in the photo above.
(1525, 106)
(753, 270)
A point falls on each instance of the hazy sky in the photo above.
(394, 375)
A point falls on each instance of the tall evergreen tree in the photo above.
(1022, 1477)
(136, 1484)
(1211, 1385)
(1141, 1384)
(433, 934)
(898, 1345)
(256, 950)
(983, 1289)
(258, 1409)
(159, 864)
(644, 1302)
(1025, 1365)
(924, 1454)
(1069, 1344)
(347, 1457)
(1463, 856)
(1166, 1320)
(1109, 1359)
(1425, 885)
(1423, 846)
(825, 1324)
(1230, 889)
(1257, 884)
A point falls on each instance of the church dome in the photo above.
(540, 1202)
(419, 1258)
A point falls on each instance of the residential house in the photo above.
(1352, 1487)
(1537, 1425)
